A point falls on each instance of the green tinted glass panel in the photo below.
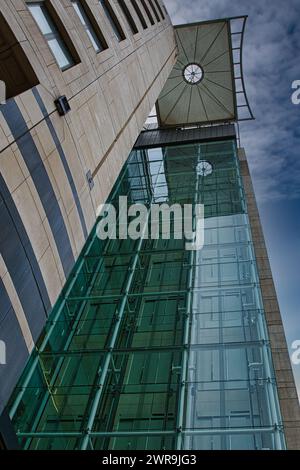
(152, 346)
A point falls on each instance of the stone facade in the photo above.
(287, 392)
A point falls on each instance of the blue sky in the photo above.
(272, 141)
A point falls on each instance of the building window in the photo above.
(51, 28)
(112, 18)
(87, 21)
(148, 12)
(139, 14)
(154, 10)
(16, 73)
(128, 16)
(159, 9)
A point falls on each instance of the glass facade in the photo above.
(152, 346)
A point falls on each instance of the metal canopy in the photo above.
(206, 84)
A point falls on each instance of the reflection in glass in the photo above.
(228, 392)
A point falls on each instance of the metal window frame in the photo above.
(154, 11)
(139, 14)
(89, 25)
(55, 34)
(160, 9)
(128, 16)
(148, 12)
(113, 20)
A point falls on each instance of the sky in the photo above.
(272, 141)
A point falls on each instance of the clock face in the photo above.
(193, 74)
(204, 168)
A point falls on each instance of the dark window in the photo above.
(16, 73)
(159, 9)
(139, 14)
(154, 10)
(54, 33)
(88, 22)
(147, 11)
(112, 18)
(128, 16)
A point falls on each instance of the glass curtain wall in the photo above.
(151, 346)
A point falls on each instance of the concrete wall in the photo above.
(47, 207)
(288, 398)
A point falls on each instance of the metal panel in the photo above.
(158, 137)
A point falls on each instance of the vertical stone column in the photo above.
(287, 392)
